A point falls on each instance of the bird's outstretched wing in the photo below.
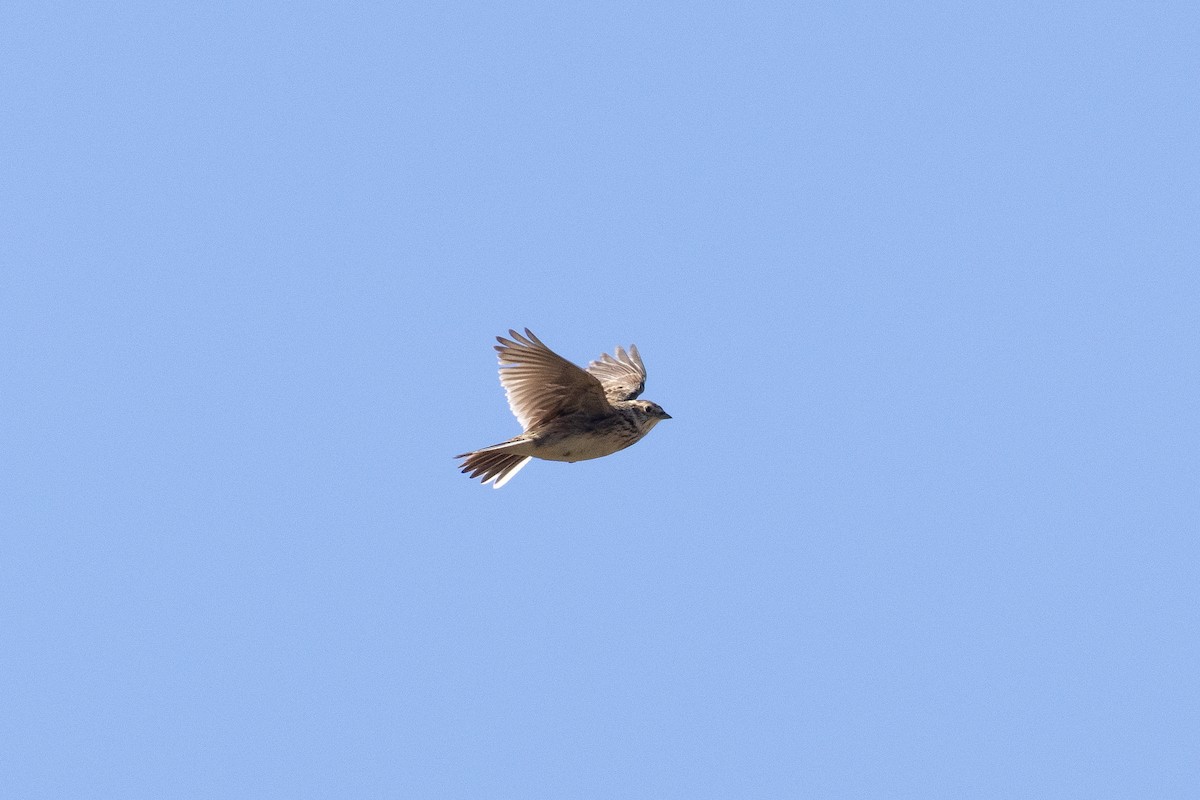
(541, 384)
(623, 377)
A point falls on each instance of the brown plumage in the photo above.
(568, 413)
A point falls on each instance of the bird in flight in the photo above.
(568, 413)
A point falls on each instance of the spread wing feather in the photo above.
(541, 384)
(623, 376)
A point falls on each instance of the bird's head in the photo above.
(655, 411)
(651, 413)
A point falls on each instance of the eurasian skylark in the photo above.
(569, 414)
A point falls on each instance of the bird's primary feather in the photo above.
(541, 384)
(623, 377)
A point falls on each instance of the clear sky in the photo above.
(918, 283)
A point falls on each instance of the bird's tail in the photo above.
(495, 465)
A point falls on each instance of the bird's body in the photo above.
(569, 414)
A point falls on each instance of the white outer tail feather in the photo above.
(500, 480)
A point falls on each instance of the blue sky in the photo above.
(918, 284)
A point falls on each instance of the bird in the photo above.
(567, 413)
